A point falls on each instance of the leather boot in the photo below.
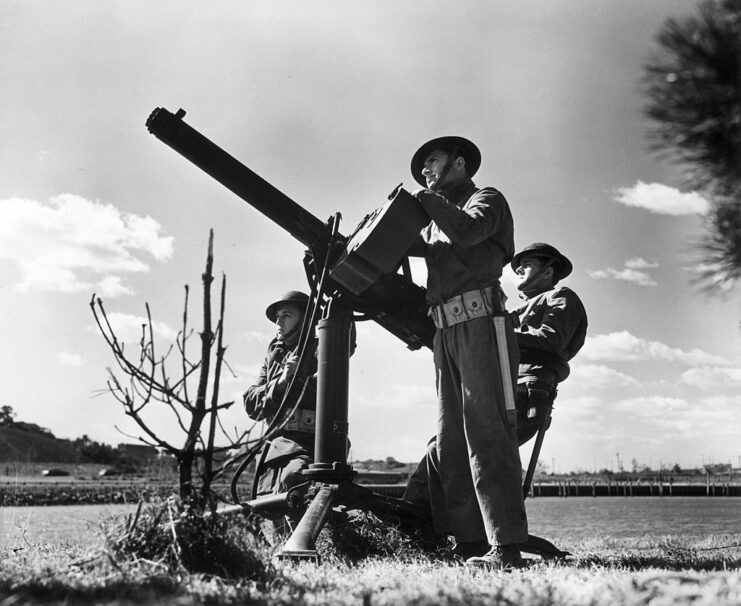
(500, 557)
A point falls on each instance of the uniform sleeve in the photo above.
(483, 216)
(259, 399)
(563, 317)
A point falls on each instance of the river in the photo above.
(554, 518)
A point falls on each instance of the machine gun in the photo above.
(352, 278)
(365, 267)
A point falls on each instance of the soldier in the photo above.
(292, 450)
(551, 328)
(465, 246)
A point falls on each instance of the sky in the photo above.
(328, 101)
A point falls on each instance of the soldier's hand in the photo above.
(427, 197)
(289, 368)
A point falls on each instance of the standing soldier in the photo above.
(465, 246)
(551, 328)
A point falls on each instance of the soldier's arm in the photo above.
(482, 216)
(561, 319)
(255, 398)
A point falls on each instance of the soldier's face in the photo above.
(433, 166)
(287, 318)
(529, 267)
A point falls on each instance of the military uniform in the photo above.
(465, 246)
(293, 448)
(551, 329)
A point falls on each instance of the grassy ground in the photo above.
(363, 563)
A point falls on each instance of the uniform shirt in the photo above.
(553, 326)
(262, 400)
(468, 241)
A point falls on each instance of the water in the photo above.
(554, 518)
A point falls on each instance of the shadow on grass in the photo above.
(718, 553)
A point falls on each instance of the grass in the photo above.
(136, 560)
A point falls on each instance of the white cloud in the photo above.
(626, 275)
(63, 244)
(600, 377)
(651, 406)
(639, 263)
(661, 199)
(112, 286)
(632, 272)
(623, 346)
(712, 379)
(128, 328)
(68, 359)
(584, 408)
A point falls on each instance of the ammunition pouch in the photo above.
(467, 306)
(302, 420)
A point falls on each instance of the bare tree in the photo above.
(150, 382)
(693, 85)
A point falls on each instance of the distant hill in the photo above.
(17, 444)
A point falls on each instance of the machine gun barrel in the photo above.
(392, 300)
(227, 170)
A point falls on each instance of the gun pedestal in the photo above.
(330, 472)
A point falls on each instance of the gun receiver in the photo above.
(392, 300)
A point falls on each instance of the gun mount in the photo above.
(392, 300)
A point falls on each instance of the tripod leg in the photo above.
(301, 545)
(536, 453)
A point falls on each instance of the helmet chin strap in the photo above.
(523, 287)
(286, 338)
(448, 164)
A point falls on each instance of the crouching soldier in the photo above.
(292, 449)
(550, 329)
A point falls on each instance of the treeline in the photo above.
(88, 450)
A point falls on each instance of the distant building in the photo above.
(140, 452)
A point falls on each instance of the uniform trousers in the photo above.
(480, 470)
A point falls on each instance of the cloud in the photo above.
(626, 275)
(65, 244)
(632, 272)
(639, 263)
(712, 379)
(662, 200)
(112, 286)
(68, 359)
(600, 377)
(651, 406)
(128, 328)
(623, 346)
